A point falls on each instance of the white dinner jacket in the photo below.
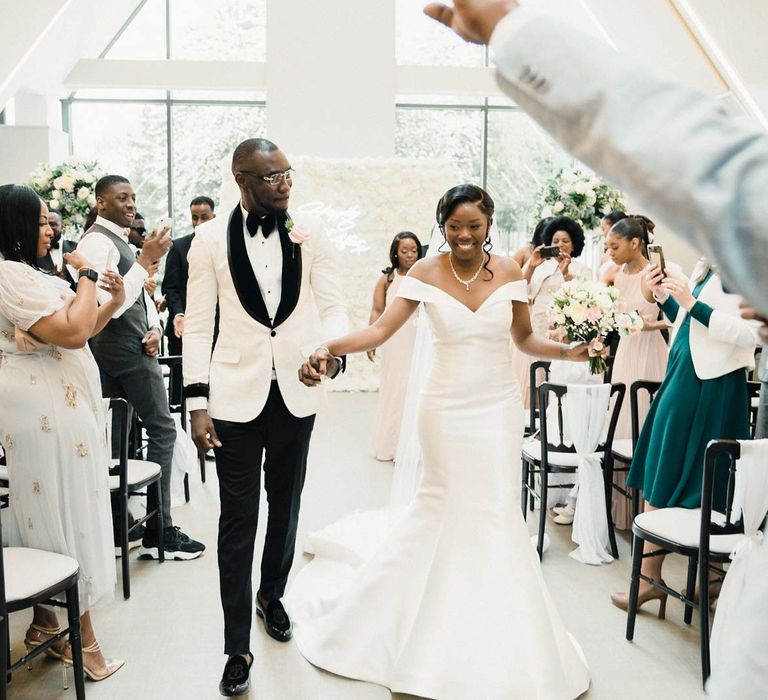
(673, 150)
(238, 374)
(728, 343)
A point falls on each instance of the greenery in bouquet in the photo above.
(580, 196)
(68, 187)
(586, 311)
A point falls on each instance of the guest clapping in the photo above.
(396, 353)
(51, 418)
(703, 397)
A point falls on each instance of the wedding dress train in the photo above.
(452, 604)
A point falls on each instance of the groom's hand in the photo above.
(472, 20)
(203, 432)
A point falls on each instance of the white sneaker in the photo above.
(564, 515)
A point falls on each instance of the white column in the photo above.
(331, 77)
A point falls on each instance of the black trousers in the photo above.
(283, 440)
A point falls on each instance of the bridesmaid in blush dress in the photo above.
(396, 353)
(640, 356)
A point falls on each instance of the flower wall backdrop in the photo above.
(363, 204)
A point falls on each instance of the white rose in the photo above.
(56, 194)
(92, 200)
(591, 197)
(558, 207)
(87, 177)
(53, 204)
(83, 193)
(577, 312)
(64, 182)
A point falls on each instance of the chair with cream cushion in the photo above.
(31, 577)
(128, 477)
(706, 537)
(550, 454)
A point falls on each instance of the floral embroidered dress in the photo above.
(52, 428)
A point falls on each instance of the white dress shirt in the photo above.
(57, 255)
(95, 248)
(266, 256)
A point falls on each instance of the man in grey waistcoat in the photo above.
(127, 348)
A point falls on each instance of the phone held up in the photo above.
(656, 256)
(165, 225)
(549, 251)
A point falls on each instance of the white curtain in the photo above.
(587, 410)
(750, 500)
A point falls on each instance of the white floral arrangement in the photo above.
(586, 311)
(581, 196)
(68, 187)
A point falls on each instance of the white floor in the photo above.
(170, 631)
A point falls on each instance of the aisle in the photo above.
(170, 631)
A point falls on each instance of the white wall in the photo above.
(23, 148)
(331, 77)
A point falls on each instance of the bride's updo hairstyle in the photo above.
(19, 227)
(471, 194)
(635, 226)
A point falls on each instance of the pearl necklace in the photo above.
(466, 283)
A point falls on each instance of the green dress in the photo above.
(686, 413)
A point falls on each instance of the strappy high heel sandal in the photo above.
(37, 635)
(93, 673)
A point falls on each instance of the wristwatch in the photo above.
(88, 273)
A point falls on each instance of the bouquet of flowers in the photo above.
(586, 311)
(69, 188)
(580, 196)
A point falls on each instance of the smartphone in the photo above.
(166, 224)
(550, 251)
(656, 256)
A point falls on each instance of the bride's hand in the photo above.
(312, 372)
(577, 353)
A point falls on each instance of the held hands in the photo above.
(472, 20)
(203, 431)
(151, 342)
(316, 368)
(113, 283)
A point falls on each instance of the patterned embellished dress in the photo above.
(52, 429)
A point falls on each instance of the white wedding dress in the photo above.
(452, 603)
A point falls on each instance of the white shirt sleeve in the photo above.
(95, 249)
(153, 318)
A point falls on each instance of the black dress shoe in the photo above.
(237, 676)
(276, 620)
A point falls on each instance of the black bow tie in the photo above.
(267, 224)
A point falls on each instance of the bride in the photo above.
(453, 603)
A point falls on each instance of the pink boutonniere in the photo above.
(296, 235)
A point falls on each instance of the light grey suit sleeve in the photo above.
(673, 150)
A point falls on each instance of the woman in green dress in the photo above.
(703, 397)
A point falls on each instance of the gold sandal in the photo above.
(111, 665)
(37, 635)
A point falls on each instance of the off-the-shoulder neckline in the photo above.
(461, 303)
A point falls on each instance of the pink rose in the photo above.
(298, 235)
(594, 314)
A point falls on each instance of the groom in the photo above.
(279, 296)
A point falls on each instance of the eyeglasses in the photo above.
(274, 179)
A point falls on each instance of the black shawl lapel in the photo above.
(289, 295)
(240, 268)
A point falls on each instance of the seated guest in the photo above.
(703, 397)
(127, 348)
(51, 416)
